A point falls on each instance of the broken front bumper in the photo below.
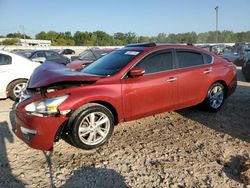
(37, 132)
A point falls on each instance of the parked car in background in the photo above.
(208, 48)
(217, 49)
(232, 56)
(129, 83)
(246, 65)
(24, 53)
(66, 52)
(14, 74)
(237, 55)
(42, 55)
(87, 57)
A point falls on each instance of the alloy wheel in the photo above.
(94, 128)
(216, 97)
(18, 88)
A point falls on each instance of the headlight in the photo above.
(46, 106)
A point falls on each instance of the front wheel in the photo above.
(91, 126)
(215, 97)
(15, 89)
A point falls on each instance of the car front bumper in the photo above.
(37, 132)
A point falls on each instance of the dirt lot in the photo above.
(187, 148)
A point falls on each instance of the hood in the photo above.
(77, 64)
(50, 73)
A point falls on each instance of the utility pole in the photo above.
(217, 11)
(22, 27)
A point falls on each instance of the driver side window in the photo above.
(157, 62)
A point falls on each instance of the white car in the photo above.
(14, 74)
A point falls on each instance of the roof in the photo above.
(144, 46)
(152, 46)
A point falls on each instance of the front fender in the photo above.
(80, 96)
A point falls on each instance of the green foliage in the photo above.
(57, 39)
(10, 41)
(17, 35)
(101, 38)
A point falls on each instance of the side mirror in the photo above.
(135, 72)
(39, 59)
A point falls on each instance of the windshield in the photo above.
(112, 63)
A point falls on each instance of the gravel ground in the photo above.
(186, 148)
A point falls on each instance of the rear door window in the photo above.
(5, 59)
(188, 58)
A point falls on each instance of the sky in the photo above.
(144, 17)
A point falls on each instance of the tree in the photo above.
(51, 35)
(144, 39)
(18, 35)
(10, 41)
(42, 35)
(130, 38)
(68, 35)
(226, 36)
(172, 38)
(80, 37)
(121, 37)
(101, 38)
(161, 38)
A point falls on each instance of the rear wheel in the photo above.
(91, 126)
(15, 89)
(215, 97)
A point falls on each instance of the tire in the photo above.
(215, 97)
(15, 88)
(84, 131)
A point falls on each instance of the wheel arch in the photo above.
(224, 84)
(66, 126)
(110, 107)
(216, 81)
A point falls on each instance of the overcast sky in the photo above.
(144, 17)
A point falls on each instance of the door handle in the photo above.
(171, 79)
(207, 71)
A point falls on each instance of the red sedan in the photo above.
(130, 83)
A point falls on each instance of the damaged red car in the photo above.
(130, 83)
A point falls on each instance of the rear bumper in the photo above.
(37, 132)
(232, 86)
